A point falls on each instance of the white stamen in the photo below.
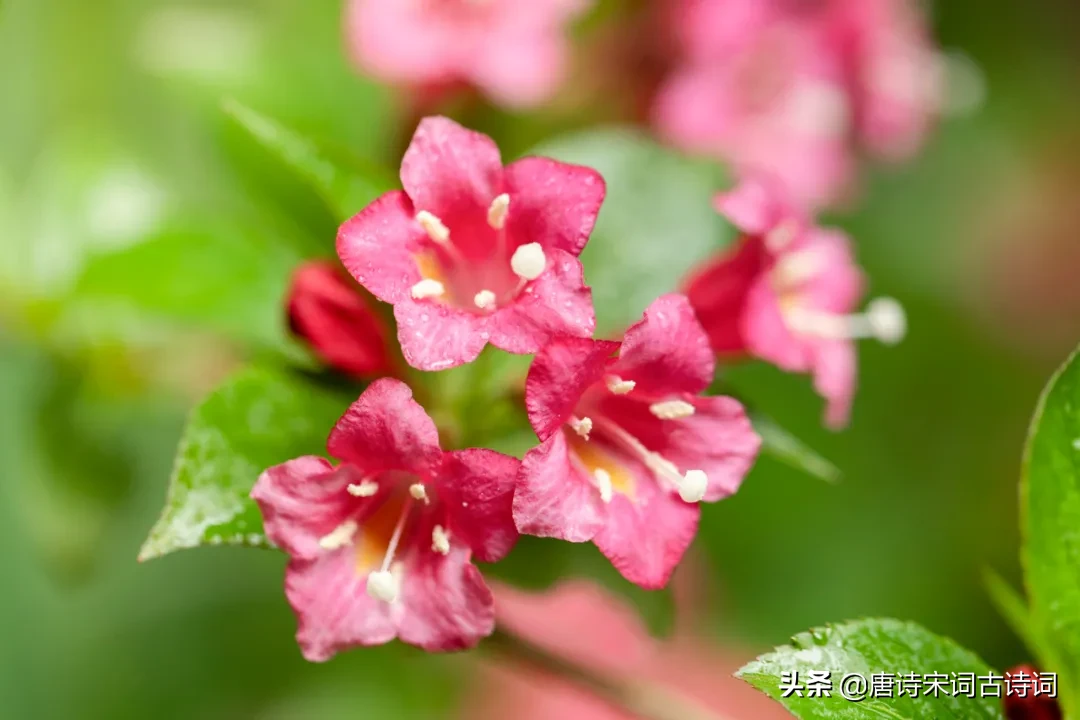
(367, 488)
(795, 268)
(528, 261)
(418, 491)
(782, 235)
(883, 320)
(440, 540)
(341, 536)
(498, 211)
(582, 426)
(382, 585)
(672, 409)
(619, 386)
(434, 227)
(693, 486)
(603, 484)
(427, 288)
(485, 299)
(887, 320)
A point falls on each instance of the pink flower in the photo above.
(786, 292)
(471, 252)
(760, 87)
(326, 309)
(628, 447)
(381, 545)
(514, 50)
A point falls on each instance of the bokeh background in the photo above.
(111, 135)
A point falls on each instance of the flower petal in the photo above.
(768, 336)
(553, 498)
(477, 486)
(834, 379)
(434, 336)
(556, 303)
(757, 205)
(559, 375)
(446, 605)
(333, 610)
(553, 203)
(377, 247)
(385, 429)
(304, 499)
(646, 537)
(520, 65)
(838, 286)
(667, 351)
(718, 291)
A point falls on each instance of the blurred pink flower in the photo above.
(602, 633)
(472, 252)
(515, 51)
(628, 446)
(785, 293)
(381, 546)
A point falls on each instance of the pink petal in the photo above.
(452, 172)
(559, 375)
(834, 379)
(718, 292)
(399, 42)
(385, 429)
(839, 285)
(434, 336)
(768, 336)
(645, 538)
(378, 245)
(553, 203)
(667, 351)
(520, 66)
(756, 205)
(446, 605)
(477, 486)
(695, 110)
(554, 498)
(304, 499)
(556, 303)
(333, 610)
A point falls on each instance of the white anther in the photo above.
(603, 484)
(434, 227)
(795, 268)
(528, 261)
(440, 540)
(582, 426)
(781, 236)
(382, 585)
(341, 536)
(427, 288)
(485, 299)
(418, 491)
(672, 409)
(367, 488)
(619, 386)
(887, 320)
(693, 486)
(500, 207)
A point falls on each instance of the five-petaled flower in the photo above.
(514, 50)
(472, 252)
(326, 308)
(381, 545)
(628, 446)
(786, 293)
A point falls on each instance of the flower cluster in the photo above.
(471, 253)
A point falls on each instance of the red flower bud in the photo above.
(1022, 702)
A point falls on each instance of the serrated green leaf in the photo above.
(656, 223)
(779, 444)
(344, 183)
(256, 419)
(1050, 523)
(866, 647)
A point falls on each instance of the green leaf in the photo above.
(656, 224)
(866, 647)
(345, 184)
(779, 444)
(256, 419)
(1016, 613)
(1050, 523)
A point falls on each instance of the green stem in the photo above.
(643, 699)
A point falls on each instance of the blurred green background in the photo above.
(114, 154)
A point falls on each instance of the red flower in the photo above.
(1024, 696)
(628, 446)
(471, 252)
(327, 310)
(785, 294)
(381, 546)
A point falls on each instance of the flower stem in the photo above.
(640, 698)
